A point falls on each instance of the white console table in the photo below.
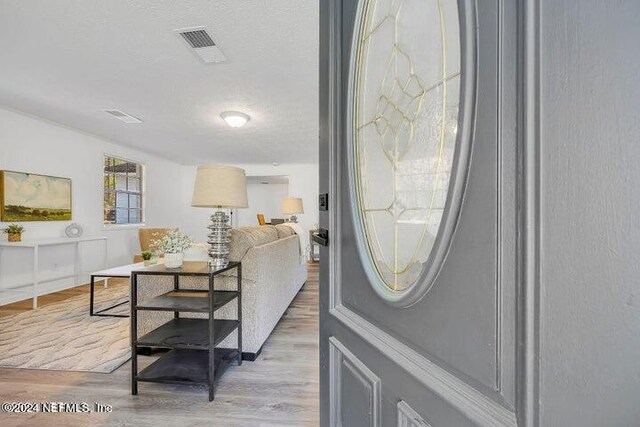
(32, 290)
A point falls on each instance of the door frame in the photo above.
(518, 231)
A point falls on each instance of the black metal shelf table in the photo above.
(193, 358)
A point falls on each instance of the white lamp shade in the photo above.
(217, 185)
(292, 206)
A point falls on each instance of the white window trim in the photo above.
(143, 223)
(116, 227)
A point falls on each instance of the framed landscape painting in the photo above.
(33, 197)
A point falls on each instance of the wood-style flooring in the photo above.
(278, 389)
(48, 299)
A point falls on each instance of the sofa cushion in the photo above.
(284, 231)
(244, 238)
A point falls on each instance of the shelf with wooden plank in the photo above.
(188, 367)
(188, 301)
(184, 333)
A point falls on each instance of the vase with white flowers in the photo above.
(173, 244)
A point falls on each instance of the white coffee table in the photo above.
(123, 271)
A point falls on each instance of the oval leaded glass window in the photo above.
(405, 100)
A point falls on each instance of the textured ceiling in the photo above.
(68, 60)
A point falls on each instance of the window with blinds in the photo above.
(123, 191)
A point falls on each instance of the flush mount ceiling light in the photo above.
(235, 119)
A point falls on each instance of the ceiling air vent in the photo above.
(198, 38)
(202, 44)
(122, 116)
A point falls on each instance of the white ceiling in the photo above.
(68, 60)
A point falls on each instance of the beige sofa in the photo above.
(273, 271)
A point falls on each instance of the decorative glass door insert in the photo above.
(405, 88)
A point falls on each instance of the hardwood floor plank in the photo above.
(279, 389)
(48, 299)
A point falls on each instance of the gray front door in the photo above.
(419, 312)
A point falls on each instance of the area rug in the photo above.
(62, 336)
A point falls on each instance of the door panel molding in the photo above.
(407, 417)
(507, 204)
(338, 353)
(466, 399)
(492, 377)
(529, 217)
(503, 328)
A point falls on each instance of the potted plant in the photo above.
(147, 257)
(15, 232)
(173, 244)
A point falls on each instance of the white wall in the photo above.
(31, 144)
(303, 182)
(265, 199)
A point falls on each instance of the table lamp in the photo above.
(219, 187)
(292, 206)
